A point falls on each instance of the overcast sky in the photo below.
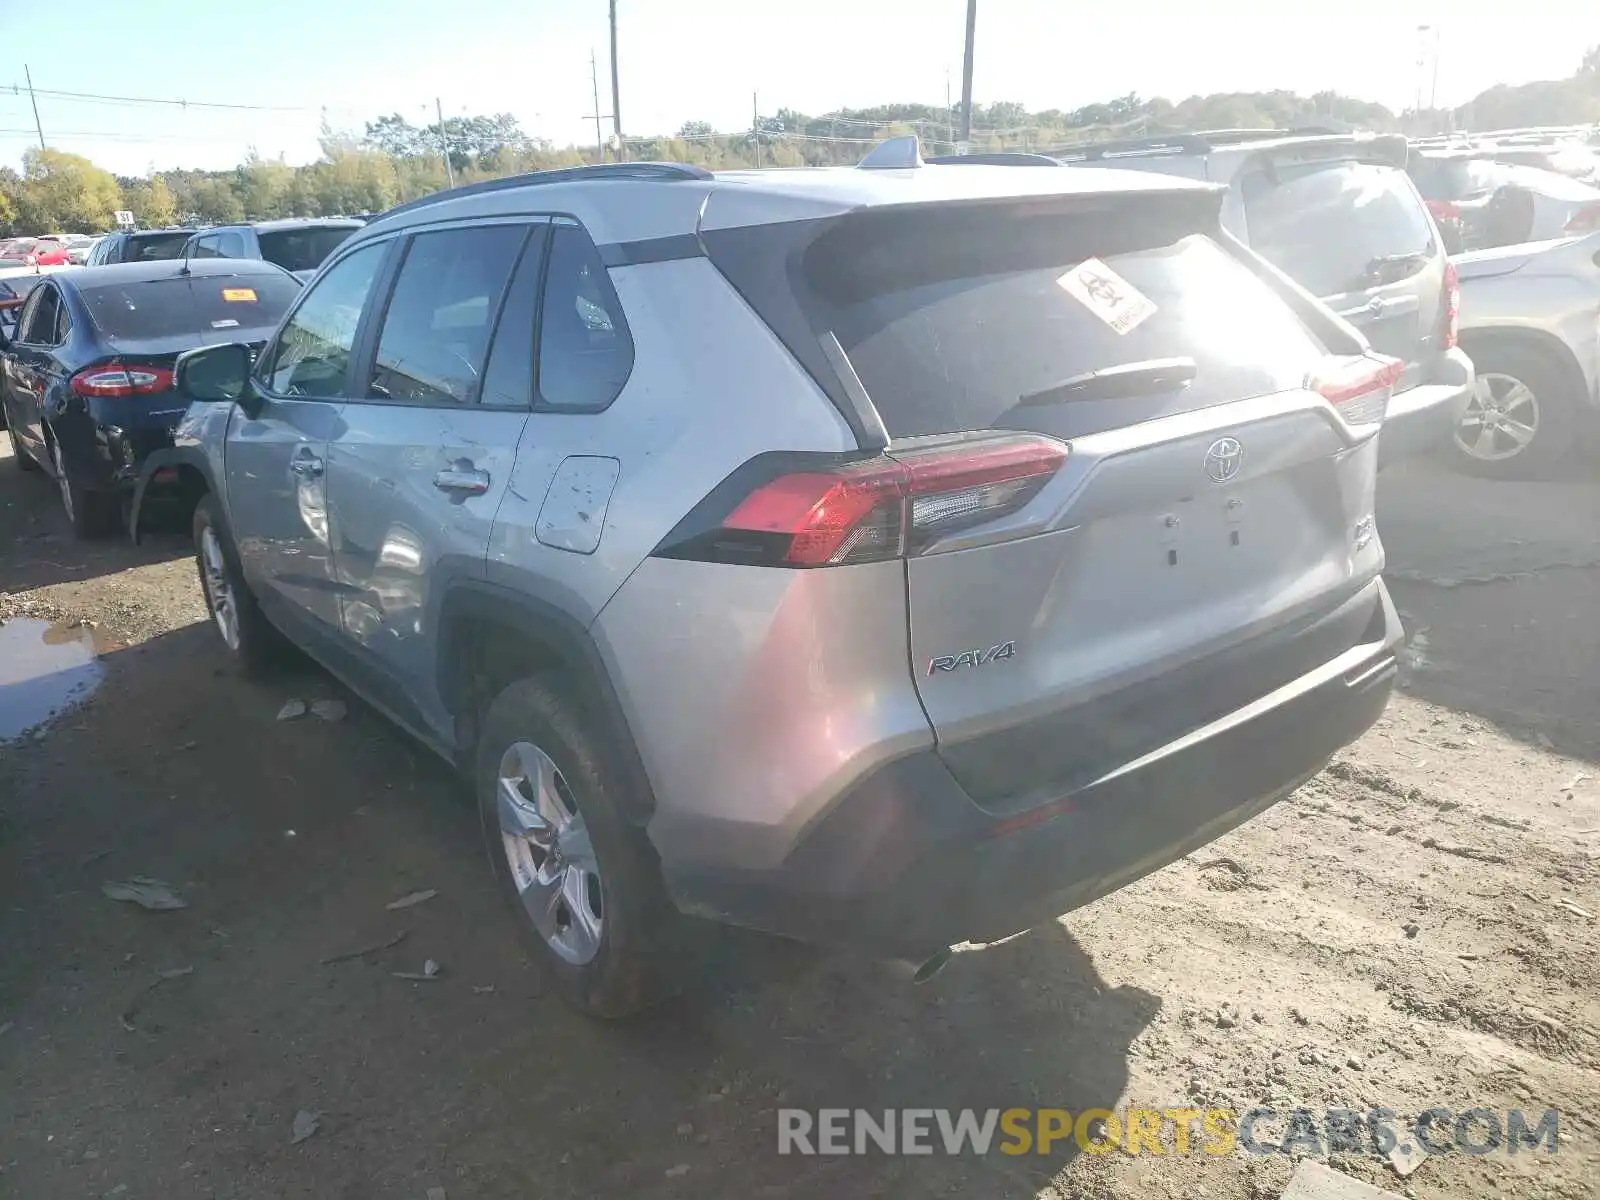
(702, 59)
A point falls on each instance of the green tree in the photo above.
(66, 192)
(215, 201)
(159, 207)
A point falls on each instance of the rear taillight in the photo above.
(1451, 333)
(1444, 210)
(1358, 386)
(1585, 220)
(121, 381)
(833, 514)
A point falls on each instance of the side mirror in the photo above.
(219, 374)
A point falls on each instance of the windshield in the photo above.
(302, 249)
(164, 308)
(1327, 224)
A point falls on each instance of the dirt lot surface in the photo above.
(1414, 928)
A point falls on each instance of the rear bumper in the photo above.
(104, 450)
(907, 863)
(1422, 419)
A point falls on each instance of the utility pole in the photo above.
(616, 88)
(966, 79)
(35, 101)
(1433, 94)
(755, 125)
(444, 143)
(949, 113)
(599, 137)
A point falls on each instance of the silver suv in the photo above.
(1338, 213)
(880, 557)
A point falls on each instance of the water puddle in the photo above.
(43, 669)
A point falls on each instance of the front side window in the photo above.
(313, 352)
(436, 332)
(231, 245)
(585, 349)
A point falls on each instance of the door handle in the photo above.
(307, 466)
(468, 480)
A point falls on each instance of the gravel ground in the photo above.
(1413, 928)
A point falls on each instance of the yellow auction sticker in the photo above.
(239, 295)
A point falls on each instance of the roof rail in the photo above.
(996, 158)
(893, 153)
(1198, 142)
(661, 172)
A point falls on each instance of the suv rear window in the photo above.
(153, 247)
(1332, 226)
(949, 320)
(162, 308)
(302, 249)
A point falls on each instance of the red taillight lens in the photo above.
(865, 511)
(1358, 386)
(1585, 220)
(1444, 210)
(121, 381)
(1452, 308)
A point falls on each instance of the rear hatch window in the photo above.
(1338, 227)
(154, 247)
(302, 249)
(954, 320)
(210, 305)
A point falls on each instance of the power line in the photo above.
(174, 102)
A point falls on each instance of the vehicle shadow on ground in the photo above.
(290, 838)
(1495, 583)
(37, 547)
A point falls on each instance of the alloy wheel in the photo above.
(552, 859)
(1501, 420)
(62, 481)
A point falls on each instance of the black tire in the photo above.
(258, 647)
(1556, 424)
(91, 514)
(25, 461)
(639, 927)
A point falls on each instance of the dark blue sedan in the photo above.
(86, 374)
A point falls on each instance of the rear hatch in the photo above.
(1357, 234)
(1126, 513)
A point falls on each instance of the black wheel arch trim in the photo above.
(177, 456)
(570, 643)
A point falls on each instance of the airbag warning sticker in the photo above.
(239, 295)
(1107, 295)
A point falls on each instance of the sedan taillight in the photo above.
(122, 381)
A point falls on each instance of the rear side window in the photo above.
(200, 304)
(312, 355)
(585, 349)
(508, 379)
(1338, 227)
(436, 332)
(951, 323)
(299, 249)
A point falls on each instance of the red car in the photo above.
(36, 252)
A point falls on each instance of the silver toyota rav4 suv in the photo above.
(886, 557)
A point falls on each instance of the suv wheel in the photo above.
(1517, 424)
(583, 882)
(25, 461)
(249, 637)
(92, 514)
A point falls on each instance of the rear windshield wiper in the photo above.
(1390, 268)
(1111, 383)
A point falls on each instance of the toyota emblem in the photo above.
(1224, 457)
